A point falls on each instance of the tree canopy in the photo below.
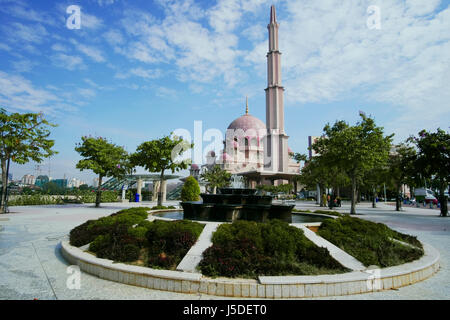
(104, 158)
(355, 150)
(433, 160)
(161, 155)
(24, 137)
(216, 178)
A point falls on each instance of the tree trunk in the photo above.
(4, 185)
(214, 190)
(444, 201)
(160, 193)
(398, 203)
(374, 205)
(354, 195)
(322, 203)
(98, 196)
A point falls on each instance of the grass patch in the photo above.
(329, 212)
(248, 249)
(127, 236)
(162, 207)
(370, 242)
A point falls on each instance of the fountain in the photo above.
(233, 204)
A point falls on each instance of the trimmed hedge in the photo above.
(126, 236)
(88, 231)
(162, 207)
(369, 242)
(169, 241)
(249, 249)
(190, 190)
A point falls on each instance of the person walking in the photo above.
(324, 199)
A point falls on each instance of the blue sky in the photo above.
(137, 70)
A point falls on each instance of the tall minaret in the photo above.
(276, 142)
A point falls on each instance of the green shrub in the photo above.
(249, 249)
(369, 242)
(88, 231)
(80, 236)
(190, 190)
(35, 200)
(169, 241)
(162, 207)
(126, 236)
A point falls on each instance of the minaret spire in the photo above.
(273, 14)
(246, 104)
(276, 147)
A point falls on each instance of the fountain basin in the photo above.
(233, 204)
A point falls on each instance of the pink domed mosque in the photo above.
(255, 150)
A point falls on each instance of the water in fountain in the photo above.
(237, 182)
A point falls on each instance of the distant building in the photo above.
(28, 179)
(75, 183)
(95, 182)
(10, 177)
(60, 182)
(41, 181)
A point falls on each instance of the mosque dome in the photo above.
(246, 122)
(194, 167)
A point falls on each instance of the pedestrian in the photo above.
(324, 199)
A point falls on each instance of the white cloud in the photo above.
(328, 52)
(92, 52)
(114, 37)
(23, 65)
(67, 61)
(86, 92)
(17, 32)
(90, 21)
(23, 11)
(19, 94)
(59, 47)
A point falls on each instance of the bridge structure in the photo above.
(138, 180)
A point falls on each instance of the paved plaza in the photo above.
(31, 265)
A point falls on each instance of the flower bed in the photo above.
(126, 236)
(249, 249)
(371, 243)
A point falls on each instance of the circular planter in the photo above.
(265, 287)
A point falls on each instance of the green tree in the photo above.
(104, 158)
(216, 178)
(400, 169)
(23, 138)
(190, 190)
(161, 155)
(433, 161)
(355, 150)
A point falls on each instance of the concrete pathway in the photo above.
(194, 255)
(341, 256)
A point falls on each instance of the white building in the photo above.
(28, 179)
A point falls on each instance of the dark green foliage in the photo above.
(119, 245)
(191, 190)
(249, 249)
(169, 241)
(162, 207)
(126, 236)
(79, 236)
(369, 242)
(90, 230)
